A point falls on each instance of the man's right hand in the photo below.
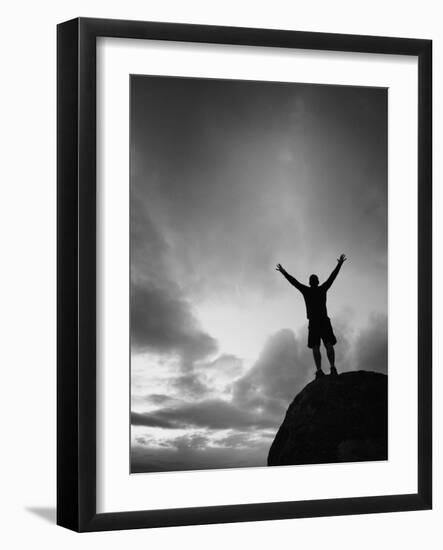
(280, 268)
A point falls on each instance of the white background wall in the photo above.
(27, 289)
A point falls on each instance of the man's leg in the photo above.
(317, 360)
(331, 357)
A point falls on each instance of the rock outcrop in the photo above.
(335, 419)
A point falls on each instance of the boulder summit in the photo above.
(335, 419)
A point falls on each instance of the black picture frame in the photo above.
(76, 280)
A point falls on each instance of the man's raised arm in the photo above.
(290, 278)
(327, 284)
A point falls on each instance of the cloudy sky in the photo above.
(229, 178)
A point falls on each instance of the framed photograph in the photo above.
(244, 274)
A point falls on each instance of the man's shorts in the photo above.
(321, 329)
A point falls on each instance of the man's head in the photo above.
(313, 280)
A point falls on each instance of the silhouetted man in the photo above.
(320, 327)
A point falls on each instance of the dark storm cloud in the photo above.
(259, 399)
(190, 385)
(153, 421)
(163, 322)
(282, 370)
(215, 414)
(162, 319)
(159, 398)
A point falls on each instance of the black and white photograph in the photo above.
(258, 273)
(221, 277)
